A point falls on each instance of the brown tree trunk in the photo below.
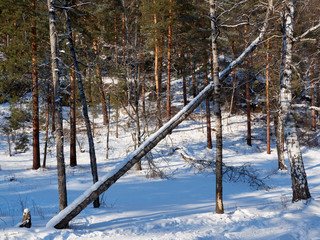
(184, 80)
(47, 127)
(156, 68)
(267, 93)
(248, 98)
(100, 85)
(35, 100)
(313, 100)
(73, 131)
(169, 63)
(234, 79)
(193, 77)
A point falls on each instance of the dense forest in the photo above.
(120, 57)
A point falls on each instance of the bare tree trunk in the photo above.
(234, 76)
(169, 63)
(279, 141)
(58, 106)
(313, 100)
(156, 69)
(193, 77)
(248, 98)
(35, 99)
(100, 85)
(217, 107)
(93, 161)
(184, 80)
(267, 93)
(47, 127)
(73, 130)
(298, 175)
(62, 219)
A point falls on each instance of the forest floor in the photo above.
(180, 205)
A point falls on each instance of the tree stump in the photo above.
(26, 219)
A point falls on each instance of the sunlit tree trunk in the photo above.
(298, 175)
(58, 106)
(267, 96)
(217, 107)
(73, 130)
(35, 99)
(248, 96)
(100, 85)
(169, 63)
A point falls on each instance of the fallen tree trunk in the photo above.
(62, 219)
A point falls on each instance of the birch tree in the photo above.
(58, 105)
(298, 175)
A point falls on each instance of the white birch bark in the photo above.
(298, 174)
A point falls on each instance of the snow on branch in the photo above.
(301, 37)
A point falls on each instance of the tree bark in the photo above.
(35, 98)
(100, 85)
(73, 130)
(217, 107)
(267, 96)
(248, 98)
(298, 175)
(58, 106)
(93, 161)
(169, 63)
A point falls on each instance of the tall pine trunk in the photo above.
(169, 63)
(267, 96)
(58, 106)
(35, 98)
(298, 175)
(248, 97)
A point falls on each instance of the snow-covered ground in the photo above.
(180, 206)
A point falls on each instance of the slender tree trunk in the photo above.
(298, 175)
(248, 97)
(100, 85)
(193, 77)
(115, 41)
(73, 130)
(217, 107)
(156, 68)
(184, 80)
(169, 63)
(234, 79)
(267, 96)
(93, 161)
(313, 99)
(47, 127)
(35, 99)
(58, 106)
(279, 142)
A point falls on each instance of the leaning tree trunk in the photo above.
(298, 175)
(58, 106)
(63, 218)
(93, 161)
(217, 107)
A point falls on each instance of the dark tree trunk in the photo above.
(35, 100)
(93, 161)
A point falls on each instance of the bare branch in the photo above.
(299, 38)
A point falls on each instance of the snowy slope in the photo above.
(180, 207)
